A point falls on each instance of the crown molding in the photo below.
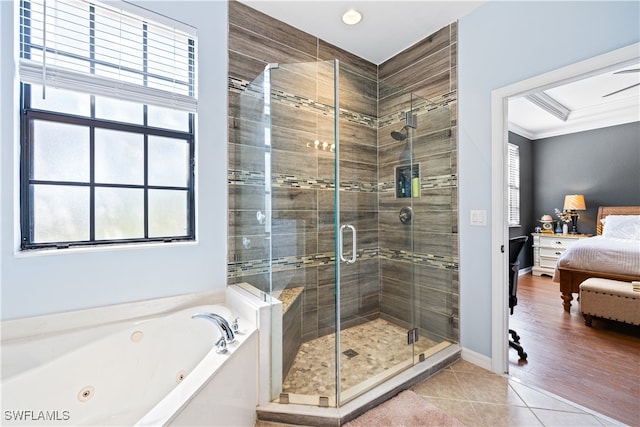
(597, 117)
(521, 131)
(549, 104)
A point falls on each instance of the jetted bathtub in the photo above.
(158, 370)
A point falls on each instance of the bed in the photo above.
(600, 256)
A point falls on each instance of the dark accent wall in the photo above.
(528, 221)
(602, 164)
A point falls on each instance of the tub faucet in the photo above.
(226, 331)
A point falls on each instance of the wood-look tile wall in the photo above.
(428, 70)
(302, 242)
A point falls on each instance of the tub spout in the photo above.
(221, 323)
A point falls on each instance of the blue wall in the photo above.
(54, 281)
(501, 43)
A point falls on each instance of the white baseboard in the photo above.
(476, 358)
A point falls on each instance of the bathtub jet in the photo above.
(148, 368)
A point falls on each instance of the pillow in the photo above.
(622, 227)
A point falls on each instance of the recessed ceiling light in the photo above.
(351, 17)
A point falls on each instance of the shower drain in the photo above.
(351, 353)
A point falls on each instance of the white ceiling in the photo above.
(389, 27)
(589, 109)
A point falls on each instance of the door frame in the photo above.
(499, 139)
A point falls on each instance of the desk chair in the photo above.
(516, 244)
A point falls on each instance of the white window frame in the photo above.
(52, 59)
(513, 185)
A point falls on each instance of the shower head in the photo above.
(410, 121)
(398, 135)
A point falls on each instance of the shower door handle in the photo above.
(340, 246)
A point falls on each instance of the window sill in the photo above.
(103, 248)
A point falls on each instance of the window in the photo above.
(513, 196)
(108, 115)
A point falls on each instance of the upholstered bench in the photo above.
(609, 299)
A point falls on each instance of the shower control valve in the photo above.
(406, 213)
(246, 243)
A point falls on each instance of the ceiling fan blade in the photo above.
(635, 70)
(623, 89)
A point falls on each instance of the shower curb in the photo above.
(316, 416)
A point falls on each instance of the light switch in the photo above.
(479, 217)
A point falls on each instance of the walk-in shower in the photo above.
(349, 225)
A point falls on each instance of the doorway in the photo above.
(499, 127)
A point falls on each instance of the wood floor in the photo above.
(597, 367)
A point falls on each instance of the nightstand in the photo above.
(547, 248)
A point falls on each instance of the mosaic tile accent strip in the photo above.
(439, 181)
(305, 104)
(426, 182)
(239, 85)
(248, 268)
(292, 181)
(241, 177)
(399, 116)
(437, 261)
(422, 107)
(358, 118)
(300, 102)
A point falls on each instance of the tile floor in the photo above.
(475, 396)
(478, 397)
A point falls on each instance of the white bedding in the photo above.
(602, 254)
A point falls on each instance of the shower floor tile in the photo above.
(367, 350)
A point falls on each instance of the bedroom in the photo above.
(601, 164)
(581, 137)
(599, 159)
(552, 167)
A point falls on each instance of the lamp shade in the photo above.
(574, 202)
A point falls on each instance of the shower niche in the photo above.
(407, 181)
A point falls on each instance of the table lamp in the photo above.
(573, 203)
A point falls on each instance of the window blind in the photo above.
(105, 50)
(513, 195)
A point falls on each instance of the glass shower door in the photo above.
(342, 192)
(302, 170)
(373, 342)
